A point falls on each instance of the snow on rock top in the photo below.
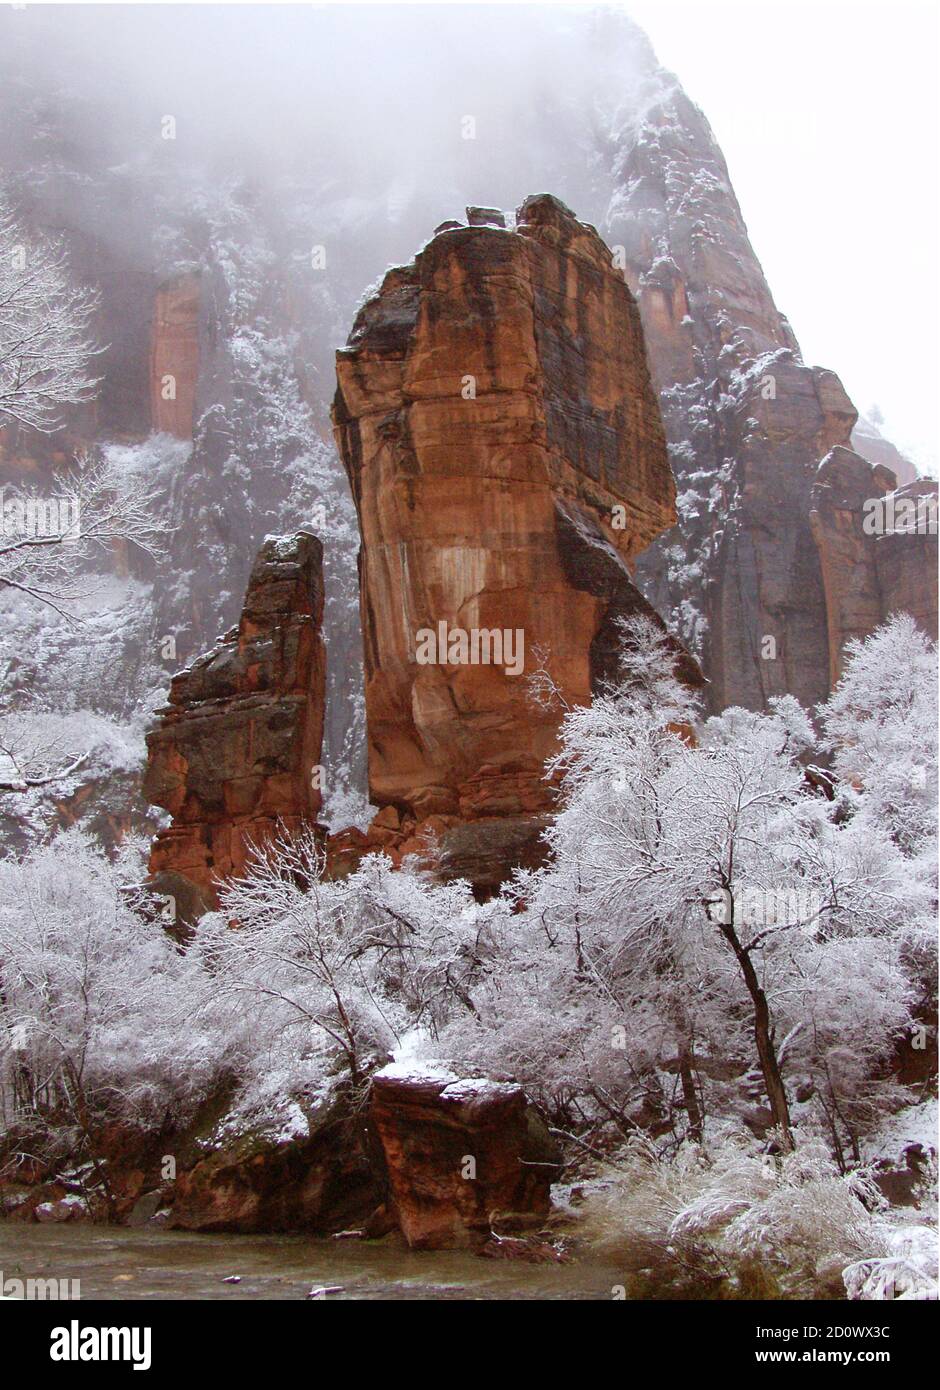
(456, 1089)
(416, 1071)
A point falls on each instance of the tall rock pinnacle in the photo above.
(234, 754)
(502, 438)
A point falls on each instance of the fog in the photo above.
(378, 98)
(369, 108)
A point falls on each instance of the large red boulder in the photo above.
(464, 1157)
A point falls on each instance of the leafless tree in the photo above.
(46, 346)
(46, 349)
(45, 544)
(44, 540)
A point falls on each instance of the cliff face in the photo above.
(877, 552)
(747, 421)
(759, 577)
(906, 554)
(174, 357)
(234, 754)
(495, 416)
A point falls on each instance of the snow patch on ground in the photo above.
(917, 1124)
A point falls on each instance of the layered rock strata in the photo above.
(235, 753)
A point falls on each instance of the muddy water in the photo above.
(116, 1263)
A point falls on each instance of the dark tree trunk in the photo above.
(689, 1093)
(770, 1070)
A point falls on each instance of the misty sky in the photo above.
(826, 113)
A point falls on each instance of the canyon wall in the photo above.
(876, 549)
(744, 578)
(233, 756)
(205, 272)
(496, 419)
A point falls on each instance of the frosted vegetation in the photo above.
(46, 348)
(724, 940)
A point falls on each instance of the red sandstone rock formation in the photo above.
(495, 416)
(403, 1163)
(464, 1157)
(871, 569)
(319, 1184)
(174, 356)
(233, 755)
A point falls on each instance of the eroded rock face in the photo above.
(499, 377)
(906, 557)
(873, 562)
(174, 356)
(854, 608)
(233, 756)
(320, 1184)
(464, 1157)
(740, 578)
(444, 1161)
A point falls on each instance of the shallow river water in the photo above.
(117, 1263)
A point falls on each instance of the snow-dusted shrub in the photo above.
(95, 999)
(795, 1210)
(723, 1213)
(907, 1272)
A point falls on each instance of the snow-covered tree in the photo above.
(704, 910)
(47, 546)
(47, 540)
(93, 1000)
(335, 970)
(880, 725)
(284, 950)
(46, 344)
